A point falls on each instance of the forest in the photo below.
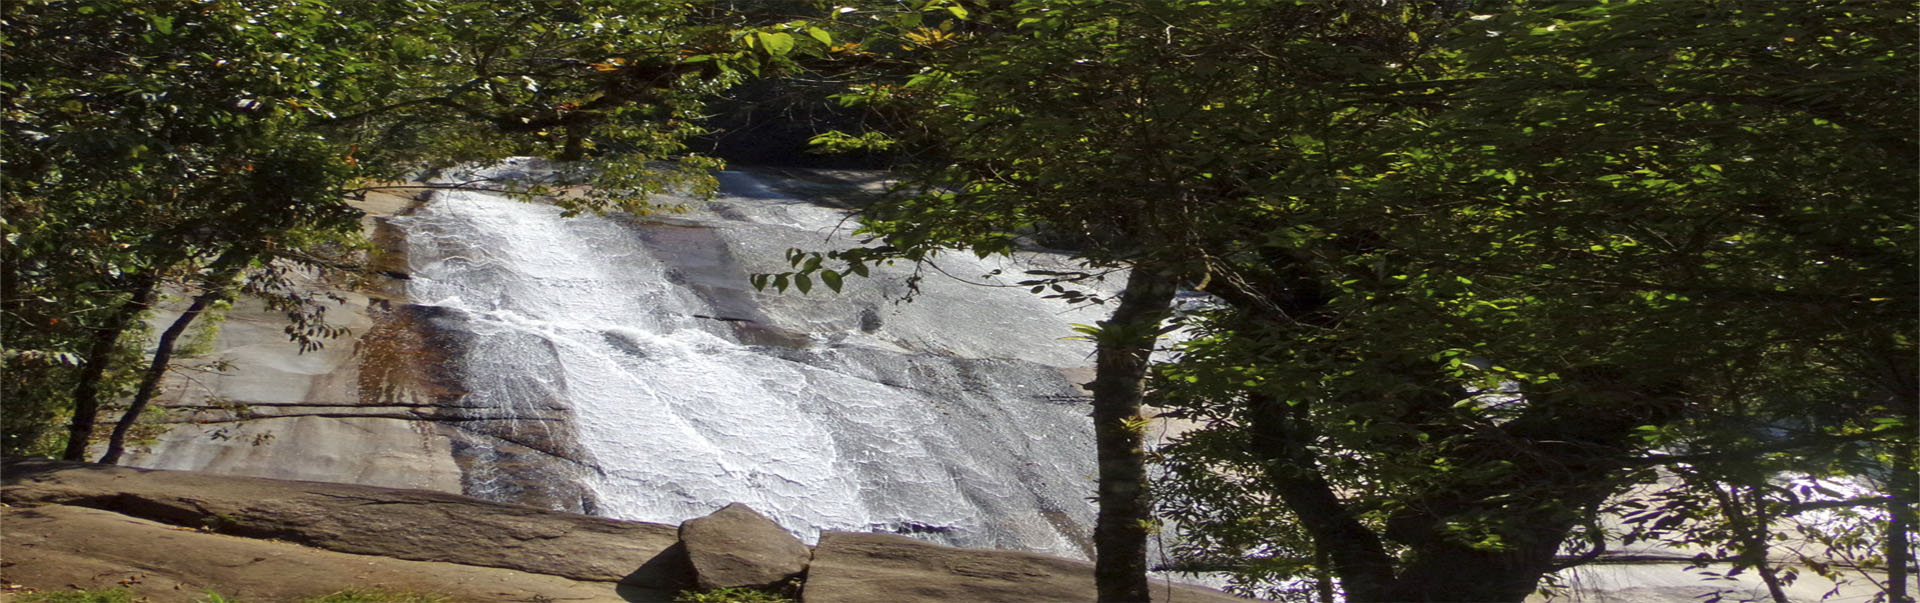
(1491, 288)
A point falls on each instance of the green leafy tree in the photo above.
(1475, 282)
(1627, 237)
(1128, 133)
(152, 144)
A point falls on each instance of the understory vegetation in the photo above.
(1488, 289)
(732, 595)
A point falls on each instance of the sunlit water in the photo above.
(946, 418)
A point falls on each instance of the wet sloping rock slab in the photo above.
(50, 548)
(371, 450)
(738, 547)
(405, 524)
(857, 568)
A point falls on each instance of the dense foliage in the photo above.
(1480, 272)
(154, 147)
(1635, 243)
(1491, 288)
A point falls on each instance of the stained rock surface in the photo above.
(382, 405)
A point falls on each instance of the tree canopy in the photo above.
(1480, 290)
(1480, 271)
(153, 144)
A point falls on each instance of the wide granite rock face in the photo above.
(738, 547)
(381, 406)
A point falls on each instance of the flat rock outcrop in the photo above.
(416, 525)
(858, 568)
(50, 547)
(738, 547)
(173, 535)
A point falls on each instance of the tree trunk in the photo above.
(1570, 439)
(1450, 571)
(1900, 526)
(86, 394)
(1899, 553)
(1350, 548)
(1126, 340)
(11, 302)
(218, 287)
(1323, 575)
(576, 146)
(1750, 527)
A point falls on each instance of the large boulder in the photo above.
(416, 525)
(855, 568)
(737, 547)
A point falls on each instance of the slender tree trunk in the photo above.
(576, 146)
(218, 287)
(1323, 574)
(1119, 384)
(1349, 548)
(10, 300)
(1899, 553)
(1750, 532)
(1900, 526)
(86, 394)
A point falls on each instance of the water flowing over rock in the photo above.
(623, 366)
(635, 350)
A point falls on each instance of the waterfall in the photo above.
(635, 348)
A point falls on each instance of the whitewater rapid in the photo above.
(950, 418)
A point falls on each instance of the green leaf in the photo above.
(831, 279)
(776, 43)
(821, 35)
(801, 282)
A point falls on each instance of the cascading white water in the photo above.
(948, 417)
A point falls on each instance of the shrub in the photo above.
(731, 595)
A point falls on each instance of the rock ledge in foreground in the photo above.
(171, 534)
(416, 525)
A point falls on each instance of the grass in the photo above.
(731, 595)
(357, 595)
(116, 595)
